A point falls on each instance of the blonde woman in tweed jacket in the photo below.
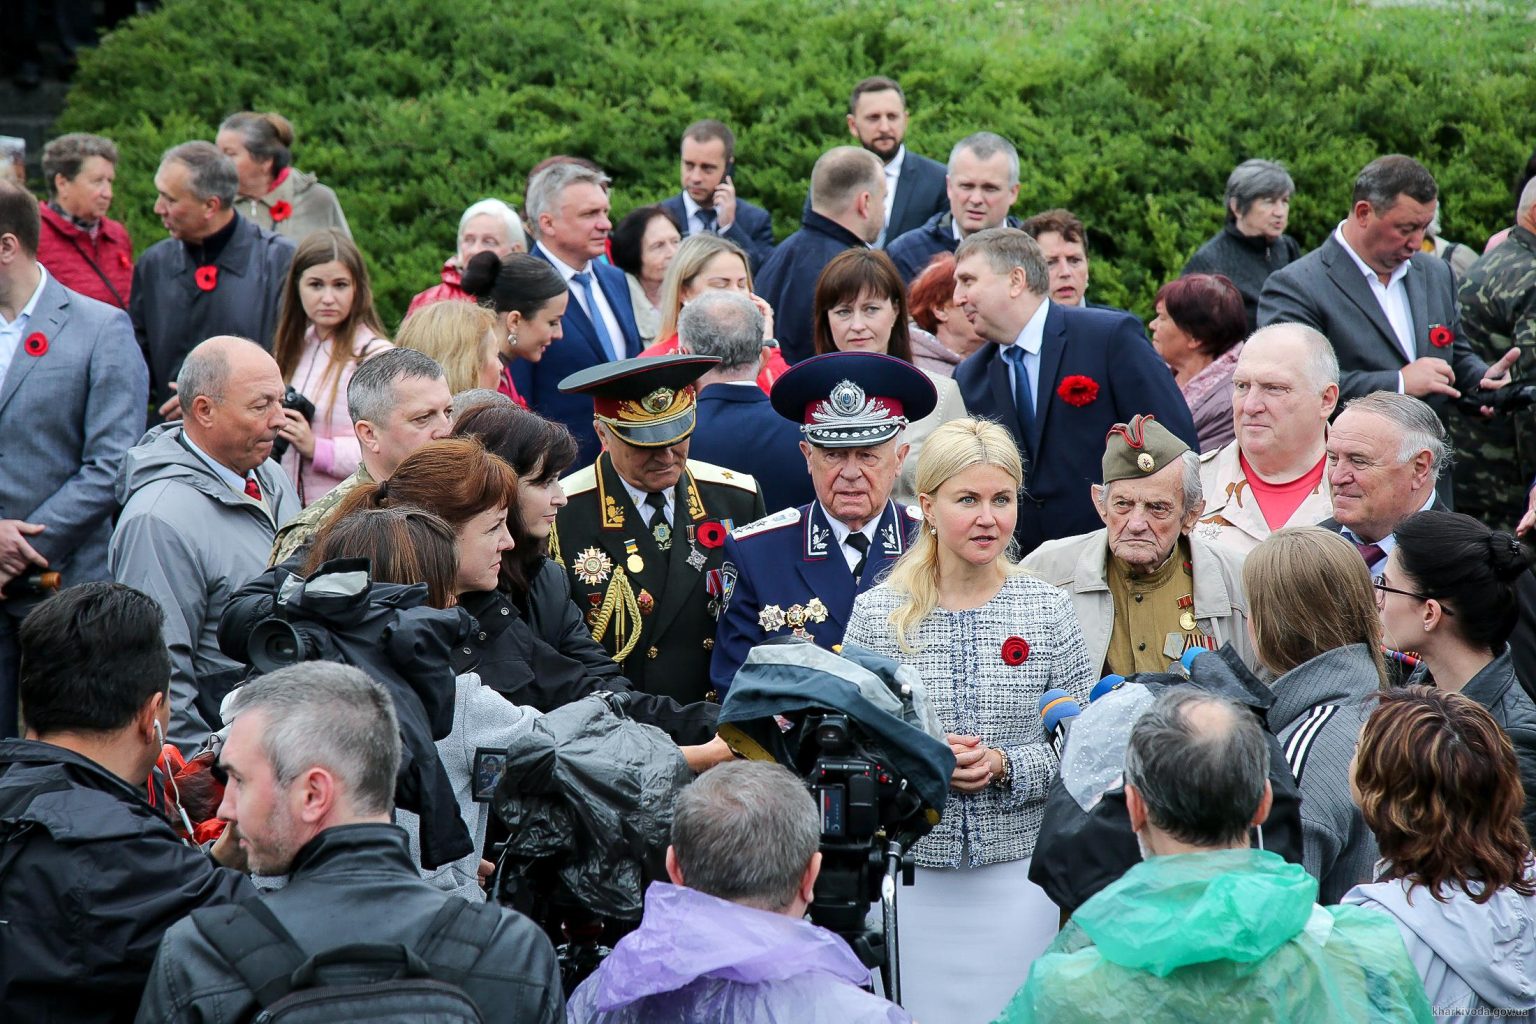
(987, 640)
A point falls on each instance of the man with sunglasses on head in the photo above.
(91, 876)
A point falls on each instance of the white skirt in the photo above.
(967, 938)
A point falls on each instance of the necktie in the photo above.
(860, 543)
(1370, 552)
(707, 218)
(585, 280)
(1023, 394)
(252, 488)
(657, 503)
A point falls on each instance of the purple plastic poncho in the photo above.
(696, 958)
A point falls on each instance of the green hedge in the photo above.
(1129, 112)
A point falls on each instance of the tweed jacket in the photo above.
(1078, 566)
(959, 656)
(1232, 517)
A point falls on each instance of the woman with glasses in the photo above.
(861, 306)
(1448, 593)
(1313, 615)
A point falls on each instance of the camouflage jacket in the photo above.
(1498, 298)
(301, 529)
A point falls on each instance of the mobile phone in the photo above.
(490, 766)
(730, 171)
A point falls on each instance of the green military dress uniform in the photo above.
(1496, 458)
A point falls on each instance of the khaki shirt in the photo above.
(1146, 613)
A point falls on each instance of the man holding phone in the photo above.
(708, 202)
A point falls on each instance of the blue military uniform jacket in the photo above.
(786, 575)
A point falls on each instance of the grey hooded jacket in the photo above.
(189, 540)
(1320, 708)
(1472, 957)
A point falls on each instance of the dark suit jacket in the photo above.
(921, 193)
(788, 280)
(577, 349)
(1064, 452)
(1325, 289)
(752, 229)
(738, 429)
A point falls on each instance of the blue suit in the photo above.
(1063, 454)
(67, 417)
(780, 564)
(738, 429)
(577, 349)
(788, 281)
(752, 229)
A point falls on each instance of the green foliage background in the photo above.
(1129, 112)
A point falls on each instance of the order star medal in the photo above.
(696, 559)
(633, 562)
(593, 566)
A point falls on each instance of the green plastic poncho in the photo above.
(1233, 936)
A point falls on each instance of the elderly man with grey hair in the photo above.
(202, 502)
(568, 217)
(727, 940)
(1386, 453)
(312, 756)
(982, 183)
(1196, 784)
(1253, 243)
(1271, 475)
(737, 427)
(398, 401)
(218, 273)
(1144, 589)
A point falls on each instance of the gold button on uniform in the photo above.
(709, 643)
(652, 653)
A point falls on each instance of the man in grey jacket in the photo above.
(202, 503)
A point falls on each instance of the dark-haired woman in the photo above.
(1436, 780)
(274, 193)
(642, 245)
(1447, 592)
(529, 617)
(528, 297)
(1199, 331)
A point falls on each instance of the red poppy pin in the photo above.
(122, 258)
(1441, 336)
(711, 535)
(36, 344)
(281, 211)
(1078, 390)
(207, 278)
(1015, 650)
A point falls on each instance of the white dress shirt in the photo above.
(638, 496)
(841, 530)
(11, 334)
(1030, 339)
(579, 296)
(1392, 297)
(892, 178)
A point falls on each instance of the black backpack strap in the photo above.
(458, 936)
(255, 945)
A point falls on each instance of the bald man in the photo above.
(201, 505)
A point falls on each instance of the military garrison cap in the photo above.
(1139, 448)
(853, 399)
(649, 401)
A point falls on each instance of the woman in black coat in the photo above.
(533, 644)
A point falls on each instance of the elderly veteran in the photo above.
(1145, 590)
(1273, 473)
(797, 571)
(642, 536)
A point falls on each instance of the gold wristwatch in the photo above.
(1004, 777)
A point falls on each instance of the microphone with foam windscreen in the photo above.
(1057, 709)
(1113, 681)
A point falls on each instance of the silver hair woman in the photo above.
(988, 640)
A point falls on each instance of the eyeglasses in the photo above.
(1379, 581)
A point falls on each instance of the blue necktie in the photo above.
(1023, 396)
(707, 218)
(585, 280)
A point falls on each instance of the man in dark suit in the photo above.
(1388, 308)
(73, 393)
(644, 531)
(737, 427)
(708, 203)
(797, 572)
(848, 190)
(981, 185)
(568, 214)
(1058, 377)
(1385, 454)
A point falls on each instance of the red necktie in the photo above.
(252, 488)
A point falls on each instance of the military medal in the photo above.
(771, 618)
(663, 533)
(696, 559)
(592, 567)
(1187, 617)
(634, 563)
(646, 602)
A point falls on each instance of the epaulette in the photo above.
(787, 517)
(712, 474)
(580, 481)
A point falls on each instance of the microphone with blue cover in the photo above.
(1057, 709)
(1109, 683)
